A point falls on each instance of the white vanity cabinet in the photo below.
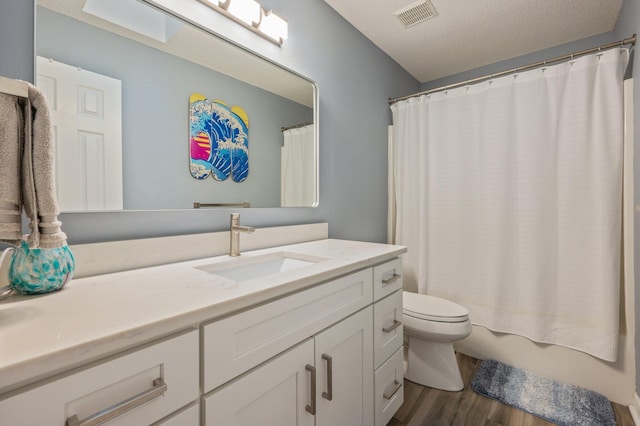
(321, 349)
(347, 370)
(135, 389)
(326, 380)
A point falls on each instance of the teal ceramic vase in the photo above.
(40, 270)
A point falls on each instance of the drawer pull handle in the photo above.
(103, 416)
(395, 277)
(396, 388)
(392, 327)
(312, 408)
(328, 395)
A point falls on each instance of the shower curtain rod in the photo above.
(295, 126)
(631, 40)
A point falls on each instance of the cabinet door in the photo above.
(275, 393)
(344, 363)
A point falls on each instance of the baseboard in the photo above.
(634, 409)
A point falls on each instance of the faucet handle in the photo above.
(235, 219)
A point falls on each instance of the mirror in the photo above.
(149, 75)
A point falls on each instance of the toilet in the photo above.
(431, 325)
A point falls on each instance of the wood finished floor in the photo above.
(425, 406)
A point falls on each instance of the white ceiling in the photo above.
(467, 34)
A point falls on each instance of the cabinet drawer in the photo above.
(387, 327)
(111, 384)
(389, 388)
(387, 278)
(235, 344)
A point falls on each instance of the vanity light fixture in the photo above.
(273, 26)
(250, 15)
(248, 11)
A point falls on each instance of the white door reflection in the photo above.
(86, 113)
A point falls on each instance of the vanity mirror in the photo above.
(149, 72)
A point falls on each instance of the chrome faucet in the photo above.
(235, 230)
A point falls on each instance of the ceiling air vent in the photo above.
(416, 13)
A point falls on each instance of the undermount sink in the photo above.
(249, 268)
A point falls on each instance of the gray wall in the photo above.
(16, 39)
(155, 121)
(355, 79)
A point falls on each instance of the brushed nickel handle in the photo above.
(328, 395)
(396, 388)
(103, 416)
(392, 327)
(312, 408)
(395, 277)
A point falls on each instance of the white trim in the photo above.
(391, 191)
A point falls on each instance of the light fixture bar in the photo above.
(250, 15)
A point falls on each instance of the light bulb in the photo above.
(273, 26)
(248, 11)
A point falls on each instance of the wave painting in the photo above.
(218, 140)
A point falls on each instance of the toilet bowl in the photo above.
(431, 325)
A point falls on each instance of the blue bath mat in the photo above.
(563, 404)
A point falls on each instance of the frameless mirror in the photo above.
(122, 98)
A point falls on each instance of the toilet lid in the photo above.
(433, 308)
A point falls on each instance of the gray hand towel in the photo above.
(11, 137)
(27, 175)
(38, 171)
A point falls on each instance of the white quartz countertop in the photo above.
(94, 317)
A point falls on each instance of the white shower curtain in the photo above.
(509, 199)
(298, 168)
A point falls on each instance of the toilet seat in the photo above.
(432, 308)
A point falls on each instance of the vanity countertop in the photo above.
(94, 317)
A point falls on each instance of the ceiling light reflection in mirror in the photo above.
(159, 70)
(250, 14)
